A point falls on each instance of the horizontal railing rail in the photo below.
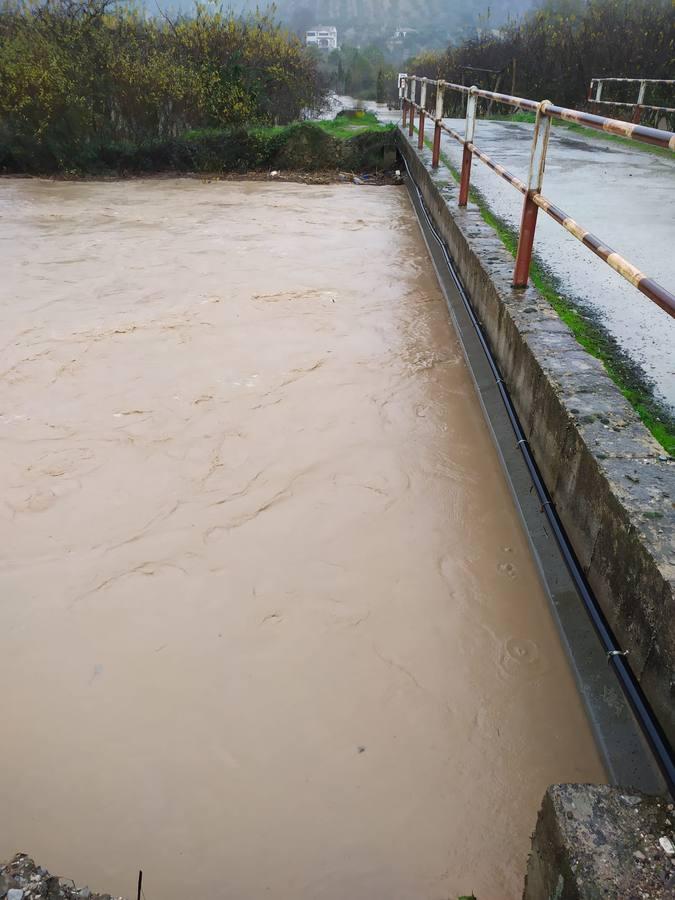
(638, 105)
(545, 112)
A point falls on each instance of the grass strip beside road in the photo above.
(593, 336)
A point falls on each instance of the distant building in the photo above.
(402, 33)
(398, 38)
(322, 36)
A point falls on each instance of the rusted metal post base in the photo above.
(467, 155)
(411, 123)
(528, 225)
(535, 180)
(436, 153)
(420, 128)
(637, 115)
(404, 120)
(465, 179)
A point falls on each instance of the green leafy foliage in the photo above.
(300, 146)
(81, 75)
(349, 123)
(559, 47)
(362, 73)
(380, 87)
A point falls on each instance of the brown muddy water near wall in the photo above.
(269, 622)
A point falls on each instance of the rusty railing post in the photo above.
(423, 113)
(436, 154)
(413, 92)
(535, 179)
(467, 155)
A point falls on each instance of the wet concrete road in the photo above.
(624, 196)
(270, 626)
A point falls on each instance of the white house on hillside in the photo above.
(402, 33)
(398, 38)
(322, 36)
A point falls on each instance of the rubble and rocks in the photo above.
(595, 841)
(22, 879)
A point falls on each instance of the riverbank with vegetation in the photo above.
(96, 88)
(351, 143)
(99, 83)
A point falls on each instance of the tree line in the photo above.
(362, 73)
(82, 73)
(559, 47)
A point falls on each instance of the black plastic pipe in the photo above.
(616, 657)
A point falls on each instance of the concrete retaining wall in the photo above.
(612, 483)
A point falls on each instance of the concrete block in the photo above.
(596, 841)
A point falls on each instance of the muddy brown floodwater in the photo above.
(269, 624)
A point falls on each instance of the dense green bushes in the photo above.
(561, 46)
(87, 80)
(302, 146)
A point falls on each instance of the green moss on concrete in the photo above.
(594, 338)
(587, 329)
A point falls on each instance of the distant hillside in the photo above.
(360, 22)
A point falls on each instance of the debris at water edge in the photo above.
(22, 879)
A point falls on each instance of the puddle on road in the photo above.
(270, 625)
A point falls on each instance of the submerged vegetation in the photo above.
(83, 79)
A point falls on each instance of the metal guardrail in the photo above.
(545, 112)
(639, 105)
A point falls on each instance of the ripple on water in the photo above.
(521, 659)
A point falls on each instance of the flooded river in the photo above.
(270, 625)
